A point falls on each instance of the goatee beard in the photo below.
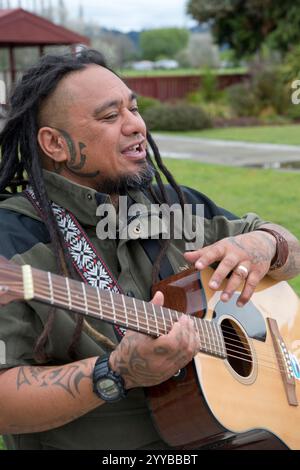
(141, 180)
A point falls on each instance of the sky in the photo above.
(124, 15)
(127, 15)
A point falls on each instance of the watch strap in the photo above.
(102, 370)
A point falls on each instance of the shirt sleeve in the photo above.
(220, 227)
(19, 233)
(219, 223)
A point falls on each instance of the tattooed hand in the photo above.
(143, 361)
(253, 250)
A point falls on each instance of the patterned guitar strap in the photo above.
(85, 259)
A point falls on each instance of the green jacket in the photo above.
(25, 240)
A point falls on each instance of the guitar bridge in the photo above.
(284, 363)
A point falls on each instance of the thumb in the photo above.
(158, 298)
(191, 256)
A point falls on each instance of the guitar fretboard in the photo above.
(121, 310)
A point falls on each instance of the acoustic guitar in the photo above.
(241, 391)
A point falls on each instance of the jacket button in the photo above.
(137, 230)
(130, 293)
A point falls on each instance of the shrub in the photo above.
(265, 94)
(217, 110)
(209, 86)
(270, 90)
(146, 102)
(242, 100)
(293, 112)
(208, 91)
(176, 117)
(291, 68)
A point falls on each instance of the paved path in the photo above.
(227, 152)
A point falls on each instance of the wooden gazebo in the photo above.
(21, 28)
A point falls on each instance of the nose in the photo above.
(133, 123)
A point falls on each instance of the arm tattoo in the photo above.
(72, 164)
(68, 377)
(136, 369)
(133, 367)
(254, 248)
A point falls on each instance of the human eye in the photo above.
(134, 109)
(111, 117)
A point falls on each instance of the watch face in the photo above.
(108, 389)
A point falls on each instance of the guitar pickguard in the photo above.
(248, 316)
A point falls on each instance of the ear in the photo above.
(53, 144)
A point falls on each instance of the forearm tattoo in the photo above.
(67, 377)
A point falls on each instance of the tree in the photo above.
(163, 42)
(202, 52)
(248, 24)
(116, 48)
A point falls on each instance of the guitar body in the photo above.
(233, 403)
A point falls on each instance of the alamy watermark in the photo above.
(2, 353)
(2, 92)
(158, 221)
(296, 94)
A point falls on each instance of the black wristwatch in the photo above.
(107, 384)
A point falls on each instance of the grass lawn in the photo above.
(287, 134)
(179, 72)
(273, 195)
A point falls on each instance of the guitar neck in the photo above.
(117, 309)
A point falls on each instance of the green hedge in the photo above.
(146, 102)
(176, 117)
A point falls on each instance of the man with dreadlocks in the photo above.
(73, 128)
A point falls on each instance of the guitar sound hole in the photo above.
(237, 348)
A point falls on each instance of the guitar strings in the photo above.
(206, 342)
(207, 346)
(165, 320)
(209, 343)
(232, 331)
(228, 355)
(229, 330)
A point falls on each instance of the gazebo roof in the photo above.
(23, 28)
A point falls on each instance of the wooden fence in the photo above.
(173, 88)
(163, 88)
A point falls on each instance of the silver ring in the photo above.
(242, 271)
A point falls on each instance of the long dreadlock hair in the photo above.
(21, 155)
